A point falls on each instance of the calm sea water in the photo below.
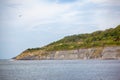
(60, 70)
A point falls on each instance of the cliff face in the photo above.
(90, 53)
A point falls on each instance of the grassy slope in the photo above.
(109, 37)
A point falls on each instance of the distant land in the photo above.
(97, 45)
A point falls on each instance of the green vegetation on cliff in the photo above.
(109, 37)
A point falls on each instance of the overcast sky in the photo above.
(35, 23)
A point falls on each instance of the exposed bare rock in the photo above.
(90, 53)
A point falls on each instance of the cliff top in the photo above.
(108, 37)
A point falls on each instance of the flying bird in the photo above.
(19, 15)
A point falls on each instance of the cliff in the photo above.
(96, 45)
(90, 53)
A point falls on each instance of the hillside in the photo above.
(98, 39)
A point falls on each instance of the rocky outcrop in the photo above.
(90, 53)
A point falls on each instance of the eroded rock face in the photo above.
(90, 53)
(111, 53)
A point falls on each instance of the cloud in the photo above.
(37, 13)
(106, 2)
(32, 12)
(65, 1)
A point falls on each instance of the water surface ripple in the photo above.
(60, 70)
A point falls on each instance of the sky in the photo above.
(34, 23)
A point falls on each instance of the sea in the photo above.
(59, 69)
